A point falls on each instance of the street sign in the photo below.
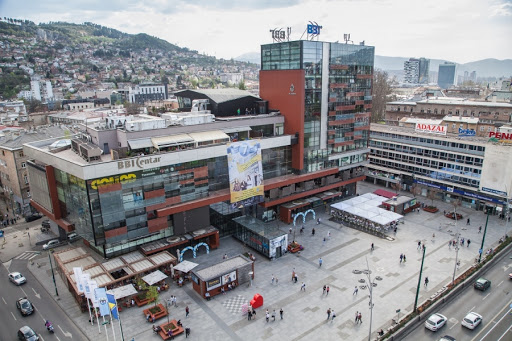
(480, 251)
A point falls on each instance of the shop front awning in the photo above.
(140, 144)
(172, 140)
(122, 292)
(236, 129)
(185, 266)
(213, 135)
(154, 277)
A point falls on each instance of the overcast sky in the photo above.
(455, 30)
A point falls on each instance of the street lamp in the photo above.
(369, 285)
(457, 243)
(53, 275)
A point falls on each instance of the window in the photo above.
(23, 165)
(25, 178)
(21, 154)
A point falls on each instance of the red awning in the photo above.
(385, 193)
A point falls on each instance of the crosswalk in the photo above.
(28, 255)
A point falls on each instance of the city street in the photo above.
(491, 304)
(304, 312)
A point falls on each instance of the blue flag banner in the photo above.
(113, 306)
(101, 296)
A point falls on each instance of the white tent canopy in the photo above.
(122, 292)
(154, 277)
(366, 207)
(185, 266)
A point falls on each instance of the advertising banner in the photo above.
(100, 294)
(78, 279)
(430, 128)
(245, 172)
(228, 278)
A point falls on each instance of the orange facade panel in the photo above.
(338, 85)
(367, 106)
(332, 113)
(360, 102)
(110, 188)
(362, 128)
(200, 172)
(338, 67)
(116, 232)
(346, 107)
(364, 76)
(355, 94)
(154, 194)
(346, 143)
(340, 122)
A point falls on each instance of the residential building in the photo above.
(488, 113)
(14, 181)
(147, 92)
(41, 90)
(416, 70)
(447, 75)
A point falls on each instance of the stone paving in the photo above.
(305, 312)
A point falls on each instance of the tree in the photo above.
(432, 194)
(241, 85)
(132, 108)
(381, 94)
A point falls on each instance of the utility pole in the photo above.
(456, 245)
(53, 275)
(419, 279)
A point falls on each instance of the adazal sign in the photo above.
(431, 128)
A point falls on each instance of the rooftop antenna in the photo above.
(346, 37)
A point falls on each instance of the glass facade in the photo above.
(349, 80)
(131, 203)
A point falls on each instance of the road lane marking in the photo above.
(490, 330)
(486, 296)
(500, 283)
(14, 317)
(66, 334)
(506, 331)
(492, 320)
(456, 323)
(4, 301)
(472, 309)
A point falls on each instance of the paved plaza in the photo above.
(305, 311)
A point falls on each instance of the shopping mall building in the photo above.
(155, 183)
(445, 158)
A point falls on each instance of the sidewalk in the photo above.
(305, 312)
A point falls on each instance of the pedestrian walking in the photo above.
(249, 315)
(303, 286)
(426, 281)
(401, 258)
(273, 279)
(296, 278)
(290, 230)
(318, 221)
(480, 229)
(355, 291)
(187, 311)
(357, 315)
(313, 231)
(267, 316)
(458, 264)
(293, 274)
(359, 318)
(372, 247)
(274, 315)
(433, 237)
(325, 287)
(419, 245)
(469, 241)
(405, 259)
(329, 235)
(328, 313)
(468, 222)
(327, 290)
(175, 301)
(450, 245)
(281, 313)
(320, 261)
(277, 280)
(333, 316)
(323, 243)
(187, 332)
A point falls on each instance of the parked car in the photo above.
(482, 284)
(51, 244)
(435, 322)
(27, 334)
(447, 338)
(24, 306)
(17, 278)
(33, 216)
(73, 237)
(472, 320)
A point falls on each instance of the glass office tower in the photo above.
(324, 91)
